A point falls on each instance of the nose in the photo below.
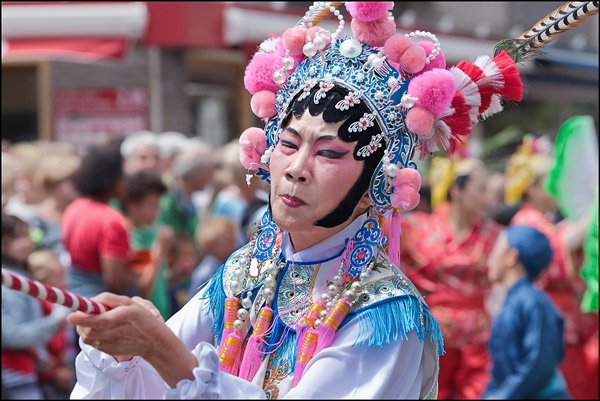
(299, 168)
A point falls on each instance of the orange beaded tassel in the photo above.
(252, 360)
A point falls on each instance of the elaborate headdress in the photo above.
(413, 100)
(532, 159)
(444, 171)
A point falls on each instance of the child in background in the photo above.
(217, 238)
(149, 244)
(57, 375)
(25, 331)
(526, 342)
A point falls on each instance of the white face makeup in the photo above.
(312, 171)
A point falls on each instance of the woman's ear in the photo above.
(364, 202)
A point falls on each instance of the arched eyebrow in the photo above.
(321, 138)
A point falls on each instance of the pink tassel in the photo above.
(251, 360)
(308, 321)
(331, 323)
(305, 354)
(231, 353)
(232, 304)
(394, 232)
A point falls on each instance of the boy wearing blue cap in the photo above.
(526, 342)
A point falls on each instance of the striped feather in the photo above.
(566, 17)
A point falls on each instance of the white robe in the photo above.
(344, 370)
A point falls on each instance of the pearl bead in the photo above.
(270, 282)
(279, 77)
(356, 287)
(351, 295)
(322, 314)
(238, 324)
(269, 294)
(317, 323)
(234, 286)
(377, 63)
(247, 303)
(272, 268)
(332, 289)
(329, 305)
(318, 42)
(242, 314)
(364, 276)
(350, 48)
(238, 273)
(337, 280)
(392, 170)
(325, 297)
(309, 50)
(288, 62)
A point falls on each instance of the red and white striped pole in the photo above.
(51, 294)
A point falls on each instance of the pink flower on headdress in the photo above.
(253, 144)
(405, 195)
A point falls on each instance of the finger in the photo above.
(148, 305)
(112, 300)
(75, 318)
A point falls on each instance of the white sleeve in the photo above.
(100, 376)
(344, 370)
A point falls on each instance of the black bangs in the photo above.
(331, 114)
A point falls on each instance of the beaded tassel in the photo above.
(331, 323)
(252, 355)
(305, 354)
(304, 327)
(231, 341)
(395, 229)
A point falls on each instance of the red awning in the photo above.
(83, 49)
(81, 31)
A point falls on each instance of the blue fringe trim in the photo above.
(216, 302)
(385, 322)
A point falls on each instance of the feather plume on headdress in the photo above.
(565, 17)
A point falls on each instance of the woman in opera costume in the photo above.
(314, 306)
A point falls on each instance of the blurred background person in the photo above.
(216, 240)
(95, 234)
(192, 172)
(57, 375)
(494, 192)
(445, 255)
(526, 171)
(25, 330)
(53, 177)
(140, 152)
(527, 336)
(236, 197)
(9, 169)
(170, 144)
(24, 201)
(141, 202)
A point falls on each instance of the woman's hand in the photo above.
(128, 329)
(135, 327)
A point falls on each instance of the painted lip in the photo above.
(292, 201)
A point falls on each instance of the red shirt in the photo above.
(91, 229)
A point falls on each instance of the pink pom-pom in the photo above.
(413, 59)
(395, 47)
(259, 72)
(253, 143)
(408, 176)
(437, 62)
(294, 39)
(324, 34)
(434, 89)
(419, 120)
(263, 104)
(281, 52)
(405, 197)
(368, 10)
(374, 33)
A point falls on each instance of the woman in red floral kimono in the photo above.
(525, 173)
(445, 255)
